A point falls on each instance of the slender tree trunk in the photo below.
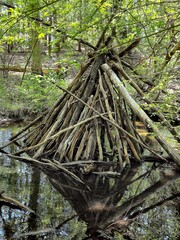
(36, 64)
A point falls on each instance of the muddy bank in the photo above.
(6, 121)
(9, 118)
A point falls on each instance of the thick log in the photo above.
(140, 113)
(153, 109)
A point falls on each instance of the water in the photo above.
(31, 188)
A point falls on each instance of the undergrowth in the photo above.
(34, 95)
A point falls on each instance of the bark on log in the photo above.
(141, 93)
(140, 113)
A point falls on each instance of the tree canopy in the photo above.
(39, 27)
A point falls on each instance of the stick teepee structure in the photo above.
(88, 145)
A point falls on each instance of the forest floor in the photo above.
(14, 108)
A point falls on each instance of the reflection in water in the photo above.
(32, 189)
(33, 202)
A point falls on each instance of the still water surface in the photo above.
(32, 188)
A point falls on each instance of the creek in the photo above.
(31, 188)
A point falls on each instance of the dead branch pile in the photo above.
(90, 121)
(88, 145)
(94, 119)
(84, 123)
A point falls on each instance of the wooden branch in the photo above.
(33, 161)
(53, 166)
(81, 162)
(6, 5)
(141, 78)
(130, 47)
(76, 135)
(100, 149)
(108, 174)
(90, 145)
(169, 57)
(1, 192)
(153, 159)
(115, 131)
(57, 134)
(52, 130)
(140, 113)
(119, 67)
(126, 155)
(113, 123)
(41, 232)
(104, 31)
(173, 131)
(81, 145)
(27, 127)
(133, 149)
(19, 138)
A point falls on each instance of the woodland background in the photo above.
(43, 44)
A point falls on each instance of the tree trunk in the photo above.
(36, 64)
